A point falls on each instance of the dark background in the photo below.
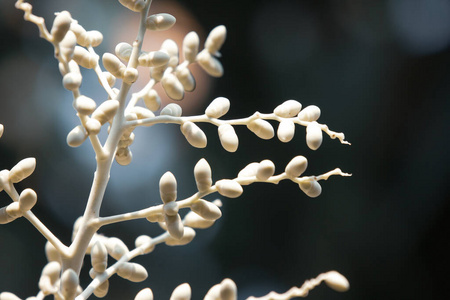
(380, 72)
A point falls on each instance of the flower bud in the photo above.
(309, 113)
(210, 64)
(174, 226)
(171, 208)
(72, 81)
(336, 281)
(130, 75)
(49, 277)
(67, 45)
(2, 128)
(186, 79)
(313, 135)
(152, 100)
(286, 131)
(22, 169)
(266, 169)
(102, 290)
(181, 292)
(213, 293)
(132, 271)
(99, 257)
(84, 58)
(206, 209)
(288, 109)
(228, 290)
(145, 242)
(113, 64)
(8, 296)
(172, 49)
(218, 107)
(193, 220)
(171, 109)
(188, 236)
(229, 188)
(172, 86)
(27, 200)
(5, 218)
(261, 128)
(215, 39)
(142, 112)
(190, 46)
(193, 134)
(311, 188)
(202, 174)
(296, 166)
(250, 170)
(106, 111)
(153, 59)
(51, 253)
(123, 51)
(134, 5)
(93, 126)
(159, 22)
(145, 294)
(61, 26)
(90, 38)
(228, 137)
(69, 284)
(124, 158)
(168, 187)
(84, 105)
(116, 248)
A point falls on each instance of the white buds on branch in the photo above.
(265, 170)
(309, 113)
(123, 51)
(168, 193)
(181, 292)
(147, 59)
(206, 209)
(61, 26)
(296, 166)
(85, 59)
(99, 257)
(288, 109)
(186, 79)
(218, 107)
(171, 109)
(159, 22)
(22, 169)
(187, 237)
(69, 284)
(145, 243)
(202, 174)
(226, 290)
(49, 278)
(210, 64)
(215, 39)
(145, 294)
(67, 45)
(311, 188)
(172, 86)
(336, 281)
(191, 44)
(132, 271)
(134, 5)
(8, 296)
(84, 105)
(106, 111)
(229, 188)
(313, 135)
(261, 128)
(228, 137)
(116, 248)
(152, 100)
(193, 134)
(286, 130)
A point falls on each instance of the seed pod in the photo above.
(266, 169)
(215, 39)
(311, 188)
(172, 49)
(210, 64)
(67, 45)
(288, 109)
(49, 277)
(313, 135)
(152, 100)
(296, 166)
(181, 292)
(99, 257)
(8, 296)
(228, 137)
(102, 290)
(206, 209)
(202, 174)
(286, 131)
(188, 236)
(228, 290)
(336, 281)
(106, 111)
(132, 271)
(186, 78)
(193, 134)
(309, 113)
(195, 221)
(159, 22)
(113, 64)
(171, 109)
(72, 81)
(123, 51)
(218, 107)
(250, 170)
(168, 187)
(190, 46)
(134, 5)
(173, 87)
(69, 284)
(145, 294)
(229, 188)
(22, 169)
(51, 253)
(93, 126)
(116, 248)
(171, 208)
(153, 59)
(261, 128)
(174, 226)
(61, 26)
(145, 242)
(27, 200)
(84, 105)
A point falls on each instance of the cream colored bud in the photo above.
(215, 39)
(213, 293)
(171, 208)
(311, 188)
(145, 242)
(193, 134)
(8, 296)
(210, 64)
(109, 78)
(134, 5)
(186, 78)
(288, 109)
(228, 290)
(309, 113)
(172, 86)
(125, 158)
(286, 131)
(22, 169)
(171, 109)
(157, 73)
(188, 236)
(2, 128)
(99, 257)
(174, 226)
(130, 75)
(153, 59)
(206, 209)
(72, 81)
(152, 100)
(250, 170)
(123, 51)
(84, 105)
(145, 294)
(229, 188)
(181, 292)
(218, 107)
(296, 166)
(202, 174)
(102, 290)
(5, 218)
(156, 218)
(13, 210)
(90, 38)
(93, 126)
(159, 22)
(27, 200)
(49, 277)
(172, 49)
(313, 135)
(106, 111)
(132, 271)
(195, 221)
(113, 64)
(142, 112)
(77, 29)
(191, 43)
(69, 284)
(261, 128)
(67, 45)
(336, 281)
(168, 187)
(61, 26)
(51, 253)
(228, 137)
(116, 248)
(72, 67)
(84, 58)
(266, 169)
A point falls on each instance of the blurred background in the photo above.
(380, 72)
